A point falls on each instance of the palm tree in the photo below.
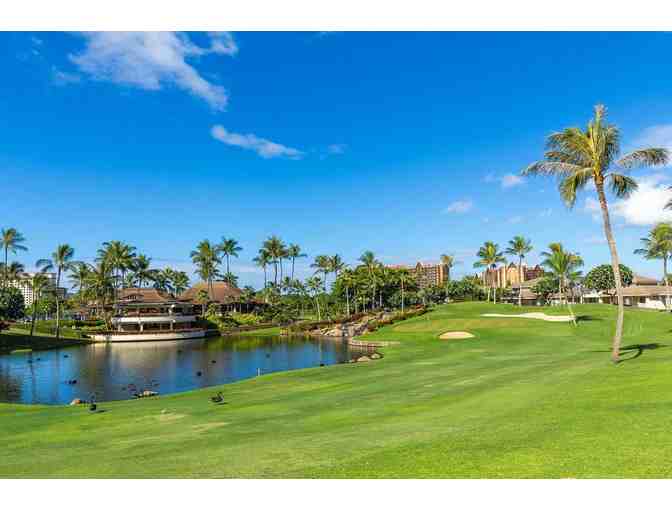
(347, 280)
(180, 282)
(120, 257)
(100, 287)
(37, 284)
(294, 252)
(140, 270)
(448, 261)
(314, 285)
(564, 266)
(368, 260)
(206, 259)
(404, 276)
(322, 265)
(658, 245)
(276, 251)
(519, 247)
(229, 248)
(13, 271)
(263, 260)
(488, 257)
(11, 240)
(580, 156)
(61, 262)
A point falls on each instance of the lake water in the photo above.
(117, 371)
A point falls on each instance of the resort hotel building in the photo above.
(23, 284)
(427, 274)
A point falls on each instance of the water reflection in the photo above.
(117, 371)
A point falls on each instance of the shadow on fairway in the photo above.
(586, 318)
(636, 350)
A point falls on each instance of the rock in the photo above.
(363, 358)
(77, 402)
(352, 360)
(375, 355)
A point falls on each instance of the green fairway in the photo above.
(523, 398)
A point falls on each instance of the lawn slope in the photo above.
(524, 398)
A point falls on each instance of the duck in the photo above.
(214, 361)
(217, 399)
(199, 373)
(93, 407)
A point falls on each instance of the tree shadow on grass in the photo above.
(587, 318)
(636, 350)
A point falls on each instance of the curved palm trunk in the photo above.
(58, 305)
(402, 297)
(667, 285)
(520, 281)
(347, 301)
(293, 259)
(618, 334)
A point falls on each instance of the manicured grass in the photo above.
(18, 339)
(524, 398)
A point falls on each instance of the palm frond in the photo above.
(621, 185)
(551, 168)
(573, 183)
(644, 158)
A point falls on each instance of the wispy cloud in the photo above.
(150, 60)
(336, 148)
(646, 206)
(459, 207)
(60, 78)
(546, 213)
(655, 136)
(505, 181)
(265, 148)
(515, 219)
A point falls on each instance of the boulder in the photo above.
(363, 358)
(375, 355)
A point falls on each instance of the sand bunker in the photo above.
(455, 335)
(534, 315)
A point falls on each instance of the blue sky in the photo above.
(406, 144)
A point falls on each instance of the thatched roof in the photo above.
(638, 279)
(222, 292)
(142, 295)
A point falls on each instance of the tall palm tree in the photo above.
(336, 264)
(61, 262)
(37, 284)
(519, 247)
(206, 259)
(293, 253)
(100, 287)
(322, 264)
(263, 260)
(369, 261)
(404, 276)
(488, 257)
(140, 269)
(120, 257)
(11, 240)
(578, 157)
(658, 245)
(180, 282)
(276, 251)
(229, 248)
(564, 266)
(347, 280)
(314, 285)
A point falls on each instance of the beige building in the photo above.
(427, 274)
(508, 275)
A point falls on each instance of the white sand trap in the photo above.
(534, 315)
(455, 335)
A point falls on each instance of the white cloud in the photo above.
(656, 136)
(459, 207)
(510, 180)
(546, 213)
(644, 207)
(336, 148)
(515, 219)
(265, 148)
(506, 181)
(149, 60)
(595, 240)
(59, 77)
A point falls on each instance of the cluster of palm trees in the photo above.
(272, 253)
(658, 246)
(209, 256)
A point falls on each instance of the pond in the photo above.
(116, 371)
